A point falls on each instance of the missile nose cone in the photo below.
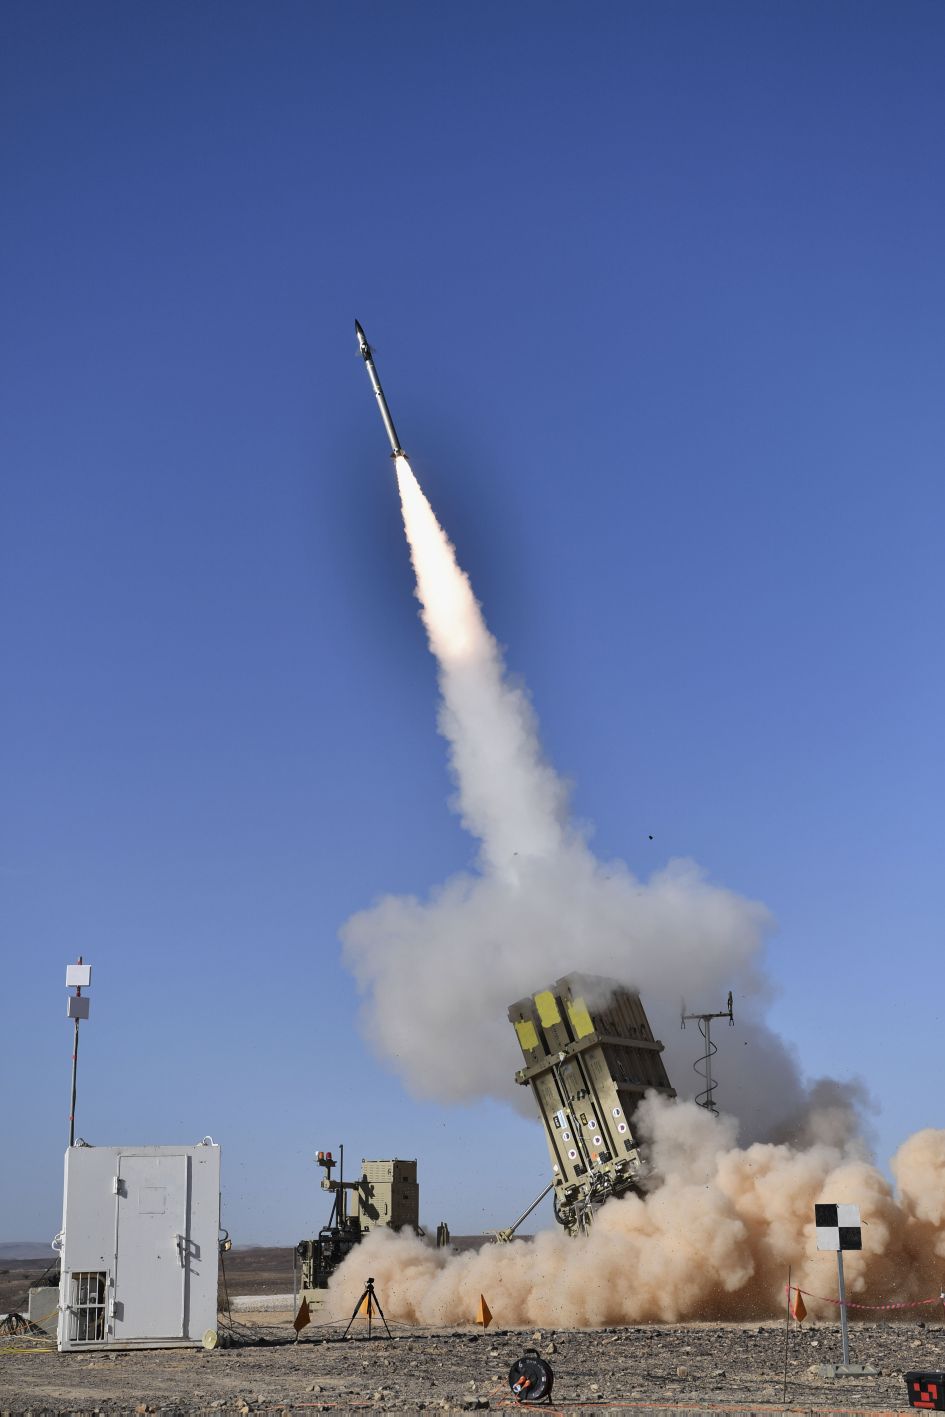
(364, 349)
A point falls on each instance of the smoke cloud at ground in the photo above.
(713, 1240)
(540, 904)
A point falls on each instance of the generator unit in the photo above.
(139, 1246)
(590, 1056)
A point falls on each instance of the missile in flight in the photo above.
(366, 353)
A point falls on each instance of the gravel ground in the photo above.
(689, 1368)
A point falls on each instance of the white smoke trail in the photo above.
(540, 905)
(509, 799)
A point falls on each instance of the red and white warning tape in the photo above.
(916, 1304)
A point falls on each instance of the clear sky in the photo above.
(657, 297)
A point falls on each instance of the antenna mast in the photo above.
(703, 1065)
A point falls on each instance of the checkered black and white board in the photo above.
(838, 1227)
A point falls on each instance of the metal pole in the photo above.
(526, 1213)
(710, 1100)
(843, 1311)
(342, 1198)
(75, 1064)
(787, 1330)
(75, 1060)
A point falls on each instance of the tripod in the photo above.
(368, 1302)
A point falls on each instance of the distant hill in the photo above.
(26, 1250)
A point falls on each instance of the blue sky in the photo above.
(657, 297)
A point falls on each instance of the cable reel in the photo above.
(531, 1378)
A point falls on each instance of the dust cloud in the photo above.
(712, 1240)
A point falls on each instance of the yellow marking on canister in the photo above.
(581, 1020)
(527, 1034)
(547, 1006)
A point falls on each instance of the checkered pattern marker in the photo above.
(838, 1227)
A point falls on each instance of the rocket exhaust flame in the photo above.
(450, 612)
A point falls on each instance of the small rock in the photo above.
(316, 1387)
(551, 1347)
(682, 1372)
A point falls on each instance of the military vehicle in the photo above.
(385, 1195)
(590, 1056)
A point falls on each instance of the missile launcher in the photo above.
(590, 1056)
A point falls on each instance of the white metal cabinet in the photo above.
(139, 1250)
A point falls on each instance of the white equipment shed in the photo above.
(139, 1246)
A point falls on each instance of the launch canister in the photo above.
(364, 349)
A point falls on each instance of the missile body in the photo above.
(364, 349)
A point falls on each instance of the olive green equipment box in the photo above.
(388, 1196)
(590, 1056)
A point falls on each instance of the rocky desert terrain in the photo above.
(686, 1369)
